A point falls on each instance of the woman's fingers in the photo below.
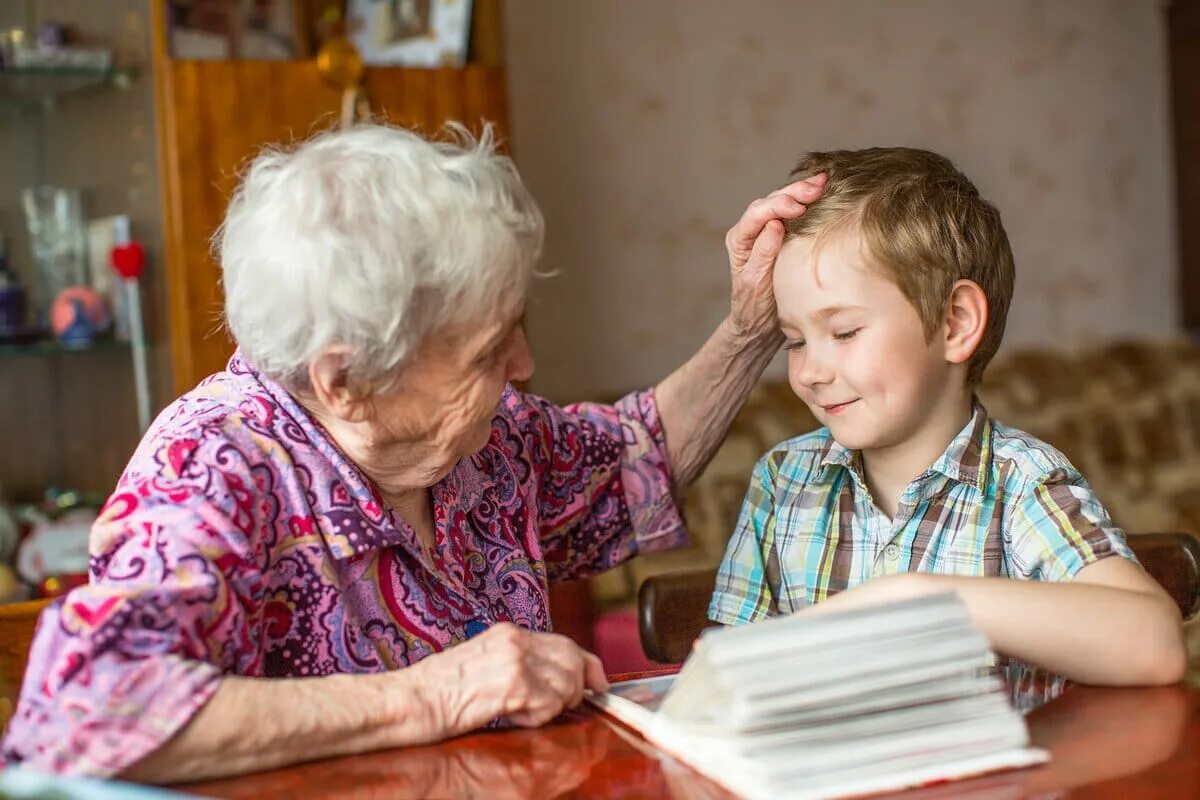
(594, 676)
(805, 190)
(787, 202)
(564, 668)
(526, 676)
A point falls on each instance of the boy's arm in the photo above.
(1082, 610)
(1112, 624)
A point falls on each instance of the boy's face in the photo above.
(857, 353)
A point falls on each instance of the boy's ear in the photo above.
(966, 321)
(330, 381)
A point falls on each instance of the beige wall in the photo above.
(644, 128)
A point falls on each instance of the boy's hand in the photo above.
(753, 245)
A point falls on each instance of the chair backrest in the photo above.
(673, 608)
(1172, 559)
(17, 623)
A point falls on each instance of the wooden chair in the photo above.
(17, 623)
(673, 608)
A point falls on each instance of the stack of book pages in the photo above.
(830, 704)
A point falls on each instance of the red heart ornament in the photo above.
(128, 259)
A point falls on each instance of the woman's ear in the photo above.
(966, 321)
(331, 385)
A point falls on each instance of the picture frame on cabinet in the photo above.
(412, 33)
(238, 29)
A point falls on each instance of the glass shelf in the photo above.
(52, 347)
(33, 88)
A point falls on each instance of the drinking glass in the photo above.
(54, 217)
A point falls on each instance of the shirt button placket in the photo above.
(885, 562)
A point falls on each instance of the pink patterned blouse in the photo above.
(241, 541)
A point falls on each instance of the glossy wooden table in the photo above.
(1104, 743)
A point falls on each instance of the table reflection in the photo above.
(543, 763)
(1094, 735)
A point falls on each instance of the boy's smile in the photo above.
(837, 408)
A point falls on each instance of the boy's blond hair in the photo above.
(924, 223)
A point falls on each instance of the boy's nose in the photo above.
(814, 369)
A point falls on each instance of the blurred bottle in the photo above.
(12, 298)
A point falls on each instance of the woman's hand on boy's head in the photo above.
(753, 245)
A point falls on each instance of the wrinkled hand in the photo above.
(507, 671)
(753, 245)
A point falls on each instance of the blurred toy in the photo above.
(54, 554)
(10, 534)
(58, 585)
(78, 315)
(12, 299)
(11, 588)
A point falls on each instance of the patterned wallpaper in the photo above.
(644, 128)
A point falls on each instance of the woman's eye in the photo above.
(488, 358)
(846, 335)
(793, 345)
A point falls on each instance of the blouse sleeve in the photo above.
(121, 664)
(602, 481)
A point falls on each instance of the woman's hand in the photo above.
(697, 402)
(753, 244)
(506, 671)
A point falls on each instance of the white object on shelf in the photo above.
(101, 237)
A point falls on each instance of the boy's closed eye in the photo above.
(841, 336)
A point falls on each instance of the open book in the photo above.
(834, 704)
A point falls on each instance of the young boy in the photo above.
(892, 291)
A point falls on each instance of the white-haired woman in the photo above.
(362, 490)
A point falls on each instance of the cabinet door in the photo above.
(214, 115)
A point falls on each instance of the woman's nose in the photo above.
(520, 358)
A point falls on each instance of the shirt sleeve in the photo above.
(122, 663)
(1058, 527)
(743, 591)
(602, 481)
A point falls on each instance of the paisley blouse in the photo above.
(241, 541)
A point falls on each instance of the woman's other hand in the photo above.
(506, 671)
(753, 244)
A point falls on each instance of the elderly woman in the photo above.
(344, 541)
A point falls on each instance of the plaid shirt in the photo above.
(997, 503)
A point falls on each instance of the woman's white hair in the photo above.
(372, 238)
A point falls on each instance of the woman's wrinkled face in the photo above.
(441, 409)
